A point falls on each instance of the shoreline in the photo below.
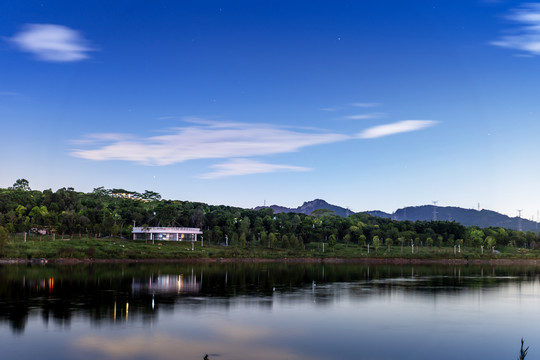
(309, 260)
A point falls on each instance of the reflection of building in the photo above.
(166, 233)
(167, 284)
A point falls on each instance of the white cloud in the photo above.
(527, 37)
(236, 142)
(237, 167)
(9, 93)
(395, 128)
(50, 42)
(365, 104)
(204, 141)
(364, 116)
(358, 104)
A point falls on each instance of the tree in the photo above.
(376, 243)
(245, 225)
(293, 241)
(146, 231)
(347, 239)
(150, 196)
(332, 241)
(38, 215)
(3, 238)
(476, 236)
(285, 242)
(242, 240)
(264, 239)
(362, 240)
(401, 240)
(459, 242)
(321, 212)
(490, 242)
(272, 240)
(21, 184)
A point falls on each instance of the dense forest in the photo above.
(114, 212)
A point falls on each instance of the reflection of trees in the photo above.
(112, 293)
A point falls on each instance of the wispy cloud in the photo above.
(236, 142)
(237, 167)
(527, 37)
(364, 116)
(365, 104)
(55, 43)
(395, 128)
(347, 106)
(9, 93)
(205, 141)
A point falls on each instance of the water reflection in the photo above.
(173, 284)
(116, 293)
(166, 346)
(266, 311)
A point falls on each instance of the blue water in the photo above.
(267, 311)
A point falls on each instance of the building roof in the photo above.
(169, 230)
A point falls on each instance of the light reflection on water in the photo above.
(267, 312)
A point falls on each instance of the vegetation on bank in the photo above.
(67, 223)
(45, 247)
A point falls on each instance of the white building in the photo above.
(166, 233)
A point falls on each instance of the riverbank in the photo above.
(84, 250)
(374, 261)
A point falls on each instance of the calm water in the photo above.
(267, 311)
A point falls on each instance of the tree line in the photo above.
(114, 212)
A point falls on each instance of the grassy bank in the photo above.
(83, 248)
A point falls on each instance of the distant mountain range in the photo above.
(467, 217)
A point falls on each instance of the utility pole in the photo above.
(520, 228)
(435, 210)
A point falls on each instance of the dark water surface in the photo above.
(268, 311)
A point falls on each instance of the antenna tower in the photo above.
(520, 228)
(435, 210)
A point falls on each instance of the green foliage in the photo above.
(362, 240)
(3, 238)
(21, 184)
(332, 241)
(105, 213)
(376, 243)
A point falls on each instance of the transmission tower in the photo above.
(519, 220)
(435, 210)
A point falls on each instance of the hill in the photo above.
(308, 207)
(468, 217)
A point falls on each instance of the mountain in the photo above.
(467, 217)
(308, 207)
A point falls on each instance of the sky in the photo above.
(369, 105)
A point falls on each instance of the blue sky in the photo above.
(366, 104)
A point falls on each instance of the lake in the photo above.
(267, 311)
